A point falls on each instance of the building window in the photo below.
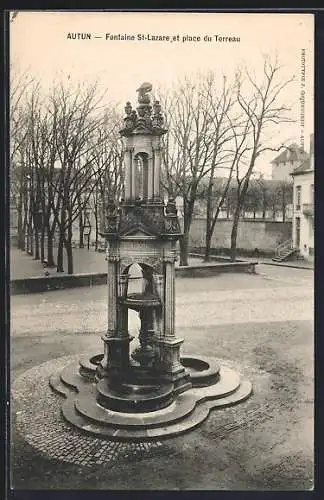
(298, 197)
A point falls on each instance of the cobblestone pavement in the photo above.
(39, 420)
(262, 323)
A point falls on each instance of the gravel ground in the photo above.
(262, 323)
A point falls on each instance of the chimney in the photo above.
(311, 151)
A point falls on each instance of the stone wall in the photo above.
(264, 235)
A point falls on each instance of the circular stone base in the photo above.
(37, 417)
(203, 371)
(131, 397)
(215, 387)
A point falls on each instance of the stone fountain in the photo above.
(154, 391)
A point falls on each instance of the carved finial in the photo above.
(157, 107)
(128, 108)
(157, 120)
(131, 116)
(143, 90)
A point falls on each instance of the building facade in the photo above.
(303, 206)
(288, 161)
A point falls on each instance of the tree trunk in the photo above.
(208, 239)
(236, 218)
(264, 211)
(50, 232)
(37, 255)
(184, 242)
(283, 207)
(59, 267)
(30, 244)
(68, 245)
(50, 252)
(69, 255)
(96, 227)
(209, 235)
(208, 219)
(42, 244)
(24, 235)
(81, 231)
(20, 234)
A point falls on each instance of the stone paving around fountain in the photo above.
(263, 324)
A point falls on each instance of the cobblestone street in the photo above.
(262, 322)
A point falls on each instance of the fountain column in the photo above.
(169, 300)
(128, 173)
(122, 309)
(169, 344)
(116, 340)
(156, 172)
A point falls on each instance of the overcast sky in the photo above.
(39, 43)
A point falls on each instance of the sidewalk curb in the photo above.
(279, 264)
(41, 284)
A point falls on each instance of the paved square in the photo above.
(263, 323)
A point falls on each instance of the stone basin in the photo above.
(138, 301)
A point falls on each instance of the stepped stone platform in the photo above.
(159, 413)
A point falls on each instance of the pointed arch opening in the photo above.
(139, 279)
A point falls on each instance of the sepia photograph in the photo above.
(161, 199)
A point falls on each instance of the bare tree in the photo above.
(78, 116)
(20, 84)
(286, 196)
(221, 107)
(188, 148)
(36, 142)
(264, 188)
(259, 103)
(253, 199)
(108, 163)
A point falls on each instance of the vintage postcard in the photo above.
(161, 250)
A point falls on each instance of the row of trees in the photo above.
(65, 158)
(66, 153)
(264, 198)
(220, 126)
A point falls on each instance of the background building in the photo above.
(287, 161)
(303, 217)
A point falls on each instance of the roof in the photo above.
(304, 167)
(291, 153)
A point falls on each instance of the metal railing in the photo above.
(283, 247)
